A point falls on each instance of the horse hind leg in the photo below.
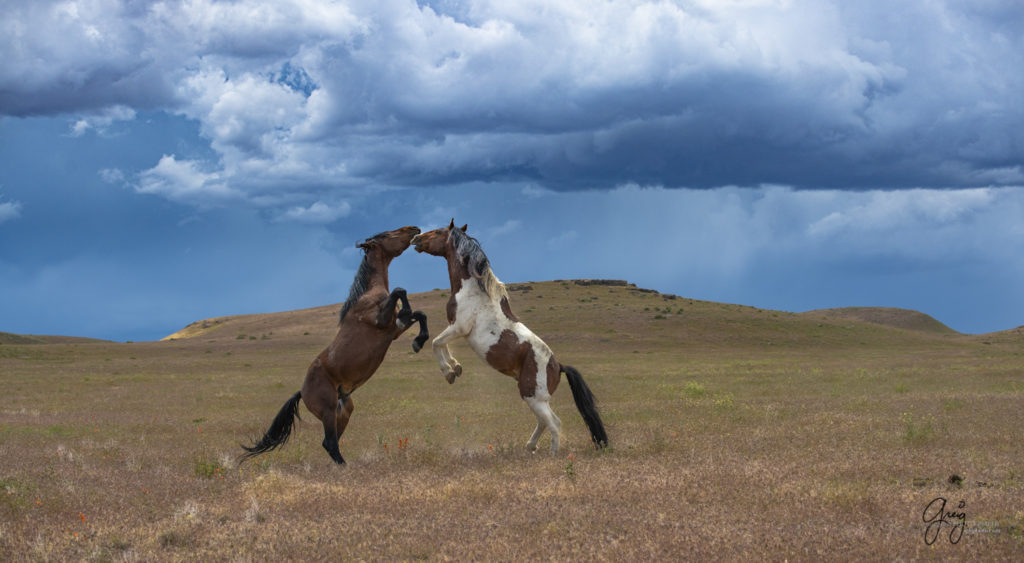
(531, 444)
(345, 408)
(556, 431)
(331, 436)
(322, 400)
(546, 419)
(555, 425)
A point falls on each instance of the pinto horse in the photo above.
(369, 323)
(479, 311)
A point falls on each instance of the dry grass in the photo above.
(736, 432)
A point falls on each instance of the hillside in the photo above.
(615, 311)
(609, 307)
(1012, 336)
(9, 338)
(886, 316)
(289, 323)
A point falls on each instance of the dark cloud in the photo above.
(303, 101)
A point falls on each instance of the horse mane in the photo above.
(359, 285)
(468, 252)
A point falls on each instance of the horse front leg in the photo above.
(450, 367)
(421, 338)
(405, 322)
(386, 314)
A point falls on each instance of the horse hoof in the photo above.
(456, 371)
(417, 346)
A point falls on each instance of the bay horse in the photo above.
(479, 311)
(370, 321)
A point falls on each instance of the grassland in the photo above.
(737, 433)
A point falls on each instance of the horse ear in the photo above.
(452, 224)
(464, 227)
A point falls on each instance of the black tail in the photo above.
(279, 431)
(585, 402)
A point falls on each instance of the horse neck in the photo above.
(457, 271)
(380, 268)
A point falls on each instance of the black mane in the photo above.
(359, 285)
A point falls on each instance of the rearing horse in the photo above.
(478, 310)
(369, 323)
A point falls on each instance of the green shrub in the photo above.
(919, 430)
(208, 469)
(694, 390)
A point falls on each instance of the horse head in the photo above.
(391, 243)
(436, 242)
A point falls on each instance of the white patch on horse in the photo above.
(480, 318)
(541, 353)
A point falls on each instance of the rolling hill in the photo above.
(10, 338)
(615, 309)
(897, 318)
(608, 309)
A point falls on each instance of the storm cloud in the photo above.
(303, 102)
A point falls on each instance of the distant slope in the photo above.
(318, 321)
(614, 312)
(9, 338)
(1012, 336)
(577, 313)
(905, 319)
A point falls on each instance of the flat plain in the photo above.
(736, 433)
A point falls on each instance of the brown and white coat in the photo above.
(479, 311)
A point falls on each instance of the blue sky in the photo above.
(163, 162)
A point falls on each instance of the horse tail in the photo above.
(587, 406)
(279, 431)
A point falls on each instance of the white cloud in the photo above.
(101, 120)
(508, 227)
(534, 191)
(112, 175)
(183, 181)
(318, 212)
(9, 210)
(563, 240)
(245, 116)
(712, 239)
(883, 212)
